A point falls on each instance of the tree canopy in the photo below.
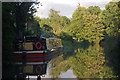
(110, 18)
(14, 18)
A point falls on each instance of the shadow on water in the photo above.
(69, 47)
(111, 47)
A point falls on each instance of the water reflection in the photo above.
(89, 63)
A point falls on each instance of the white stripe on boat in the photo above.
(29, 51)
(30, 63)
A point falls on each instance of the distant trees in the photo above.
(57, 22)
(54, 14)
(64, 21)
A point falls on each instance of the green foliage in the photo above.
(56, 22)
(23, 11)
(45, 29)
(79, 13)
(93, 31)
(94, 10)
(110, 18)
(77, 23)
(85, 26)
(53, 13)
(37, 19)
(64, 21)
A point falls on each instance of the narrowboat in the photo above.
(35, 52)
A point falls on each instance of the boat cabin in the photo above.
(34, 53)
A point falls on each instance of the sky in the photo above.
(67, 7)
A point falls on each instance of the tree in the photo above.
(64, 21)
(14, 18)
(85, 26)
(93, 30)
(54, 14)
(23, 11)
(79, 13)
(77, 22)
(94, 10)
(110, 18)
(8, 34)
(57, 22)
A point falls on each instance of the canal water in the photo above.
(78, 62)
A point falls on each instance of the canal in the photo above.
(83, 60)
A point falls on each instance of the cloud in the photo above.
(66, 7)
(65, 10)
(101, 4)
